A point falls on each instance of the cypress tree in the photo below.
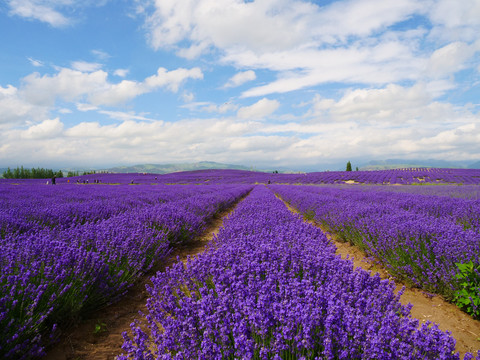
(349, 166)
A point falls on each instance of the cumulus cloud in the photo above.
(229, 23)
(259, 110)
(113, 94)
(86, 86)
(45, 130)
(240, 78)
(450, 134)
(285, 24)
(361, 44)
(16, 110)
(393, 105)
(296, 39)
(306, 44)
(93, 85)
(67, 84)
(172, 79)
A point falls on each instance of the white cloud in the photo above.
(42, 10)
(450, 134)
(15, 110)
(84, 66)
(393, 105)
(455, 20)
(87, 89)
(219, 109)
(71, 85)
(284, 24)
(240, 78)
(259, 110)
(67, 84)
(123, 116)
(121, 72)
(113, 94)
(382, 63)
(172, 79)
(36, 63)
(450, 59)
(227, 23)
(187, 96)
(85, 107)
(362, 18)
(209, 107)
(351, 41)
(45, 130)
(8, 91)
(102, 55)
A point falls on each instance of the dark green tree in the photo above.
(349, 166)
(72, 173)
(8, 174)
(23, 173)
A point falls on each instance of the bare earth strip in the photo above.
(84, 342)
(426, 307)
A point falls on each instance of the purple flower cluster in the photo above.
(417, 237)
(271, 287)
(69, 249)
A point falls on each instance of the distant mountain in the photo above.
(413, 163)
(169, 168)
(475, 165)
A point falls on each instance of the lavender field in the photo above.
(269, 286)
(424, 239)
(67, 250)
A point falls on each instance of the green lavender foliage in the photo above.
(468, 296)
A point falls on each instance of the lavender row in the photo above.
(53, 275)
(271, 287)
(33, 207)
(417, 238)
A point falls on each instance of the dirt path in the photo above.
(426, 306)
(100, 336)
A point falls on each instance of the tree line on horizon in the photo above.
(35, 173)
(40, 173)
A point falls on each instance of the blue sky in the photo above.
(264, 83)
